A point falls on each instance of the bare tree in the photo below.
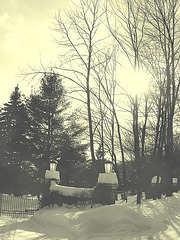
(129, 35)
(80, 39)
(162, 32)
(108, 83)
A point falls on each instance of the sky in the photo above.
(26, 38)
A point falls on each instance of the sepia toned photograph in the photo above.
(90, 120)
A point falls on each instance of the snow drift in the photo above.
(124, 221)
(95, 222)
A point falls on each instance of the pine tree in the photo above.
(44, 109)
(53, 135)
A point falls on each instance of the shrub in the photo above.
(82, 199)
(79, 200)
(51, 199)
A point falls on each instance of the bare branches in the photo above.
(129, 28)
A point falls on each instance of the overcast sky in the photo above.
(25, 38)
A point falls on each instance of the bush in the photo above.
(51, 199)
(82, 199)
(79, 200)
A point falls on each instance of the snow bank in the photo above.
(110, 221)
(157, 210)
(123, 221)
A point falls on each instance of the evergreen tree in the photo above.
(13, 129)
(44, 109)
(15, 146)
(53, 135)
(34, 131)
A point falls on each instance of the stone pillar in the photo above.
(52, 175)
(106, 188)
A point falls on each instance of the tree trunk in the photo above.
(89, 100)
(137, 150)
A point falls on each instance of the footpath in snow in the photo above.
(152, 220)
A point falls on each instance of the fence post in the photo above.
(1, 195)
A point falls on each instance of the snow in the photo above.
(20, 229)
(109, 178)
(151, 220)
(52, 175)
(69, 191)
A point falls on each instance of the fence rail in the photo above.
(22, 206)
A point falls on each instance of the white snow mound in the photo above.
(94, 222)
(125, 221)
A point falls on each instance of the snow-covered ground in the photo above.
(153, 219)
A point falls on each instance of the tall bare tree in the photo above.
(129, 32)
(108, 84)
(80, 37)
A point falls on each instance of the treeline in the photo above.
(35, 130)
